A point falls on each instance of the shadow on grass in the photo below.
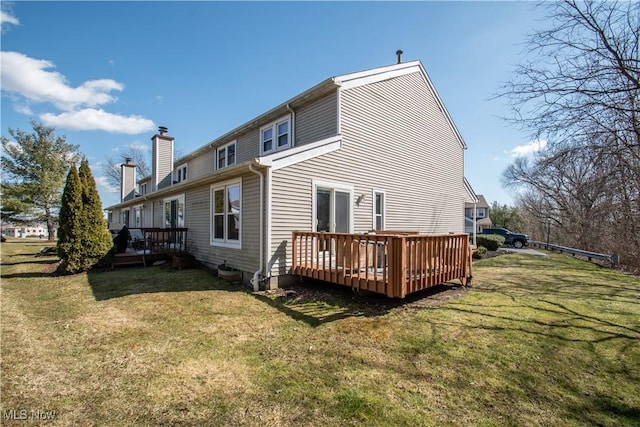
(40, 261)
(316, 302)
(31, 275)
(525, 315)
(127, 281)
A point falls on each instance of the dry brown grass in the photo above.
(537, 341)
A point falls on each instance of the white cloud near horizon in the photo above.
(97, 119)
(29, 80)
(529, 148)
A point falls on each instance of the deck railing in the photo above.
(159, 241)
(389, 263)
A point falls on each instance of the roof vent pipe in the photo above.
(399, 54)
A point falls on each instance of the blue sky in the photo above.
(107, 74)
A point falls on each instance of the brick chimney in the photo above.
(162, 168)
(127, 180)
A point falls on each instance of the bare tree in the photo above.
(579, 88)
(111, 166)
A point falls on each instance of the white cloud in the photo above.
(140, 146)
(92, 119)
(7, 18)
(23, 109)
(530, 148)
(13, 145)
(103, 183)
(30, 78)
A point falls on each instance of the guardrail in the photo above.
(611, 259)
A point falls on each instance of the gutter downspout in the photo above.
(255, 281)
(475, 226)
(293, 124)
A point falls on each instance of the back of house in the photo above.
(373, 150)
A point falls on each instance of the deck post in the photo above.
(397, 268)
(294, 251)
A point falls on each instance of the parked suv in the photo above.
(515, 239)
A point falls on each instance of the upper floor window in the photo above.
(226, 155)
(275, 136)
(143, 189)
(181, 173)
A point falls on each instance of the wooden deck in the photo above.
(386, 262)
(148, 245)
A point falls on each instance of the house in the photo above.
(34, 230)
(476, 216)
(371, 150)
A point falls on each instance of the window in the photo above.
(143, 189)
(481, 213)
(275, 136)
(378, 210)
(124, 218)
(137, 212)
(226, 155)
(181, 173)
(174, 212)
(332, 207)
(226, 214)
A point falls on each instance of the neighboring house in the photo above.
(369, 150)
(477, 213)
(37, 230)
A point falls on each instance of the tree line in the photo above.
(578, 88)
(34, 189)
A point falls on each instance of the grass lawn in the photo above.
(536, 341)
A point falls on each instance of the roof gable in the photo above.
(348, 81)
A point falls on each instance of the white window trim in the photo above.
(274, 139)
(180, 172)
(226, 154)
(234, 244)
(138, 208)
(374, 192)
(179, 197)
(330, 185)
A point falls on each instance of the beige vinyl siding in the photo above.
(163, 153)
(315, 121)
(198, 221)
(318, 120)
(248, 145)
(128, 182)
(201, 165)
(158, 213)
(395, 139)
(149, 184)
(147, 214)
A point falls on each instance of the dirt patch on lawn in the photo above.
(371, 303)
